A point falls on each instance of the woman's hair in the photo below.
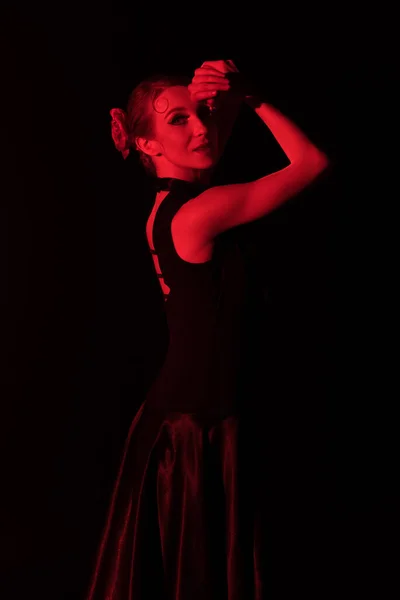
(137, 120)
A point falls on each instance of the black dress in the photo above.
(182, 524)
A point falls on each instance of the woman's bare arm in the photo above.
(226, 116)
(223, 207)
(211, 84)
(295, 144)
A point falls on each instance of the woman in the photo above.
(182, 521)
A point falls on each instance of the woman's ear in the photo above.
(150, 147)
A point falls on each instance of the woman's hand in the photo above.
(216, 83)
(215, 80)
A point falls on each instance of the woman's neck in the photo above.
(201, 177)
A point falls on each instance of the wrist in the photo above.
(246, 89)
(228, 102)
(253, 100)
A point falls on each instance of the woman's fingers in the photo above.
(206, 89)
(221, 65)
(210, 83)
(206, 80)
(232, 66)
(211, 79)
(206, 95)
(200, 79)
(209, 71)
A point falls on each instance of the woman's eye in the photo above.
(177, 119)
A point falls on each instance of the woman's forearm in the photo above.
(295, 144)
(226, 116)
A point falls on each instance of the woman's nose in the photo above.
(200, 126)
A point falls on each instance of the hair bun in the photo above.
(119, 131)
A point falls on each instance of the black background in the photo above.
(82, 327)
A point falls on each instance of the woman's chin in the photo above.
(206, 161)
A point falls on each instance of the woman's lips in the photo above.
(203, 148)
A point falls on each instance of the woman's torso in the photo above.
(204, 293)
(188, 249)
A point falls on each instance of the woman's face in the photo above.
(185, 132)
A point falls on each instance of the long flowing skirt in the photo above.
(182, 523)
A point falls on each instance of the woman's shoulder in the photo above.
(213, 211)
